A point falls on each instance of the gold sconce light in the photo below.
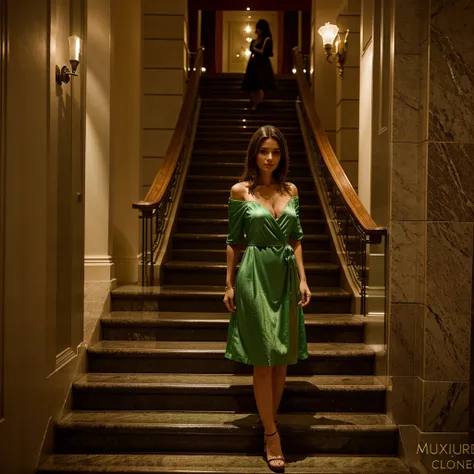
(64, 74)
(329, 33)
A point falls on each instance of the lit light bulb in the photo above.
(293, 71)
(248, 9)
(248, 39)
(237, 55)
(250, 17)
(203, 69)
(244, 120)
(248, 29)
(328, 33)
(304, 71)
(247, 52)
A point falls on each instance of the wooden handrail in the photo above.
(343, 184)
(165, 173)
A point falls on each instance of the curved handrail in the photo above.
(165, 173)
(342, 182)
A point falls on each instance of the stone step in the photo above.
(237, 93)
(205, 182)
(251, 122)
(221, 211)
(218, 241)
(209, 255)
(230, 153)
(235, 88)
(213, 273)
(209, 299)
(203, 432)
(224, 77)
(192, 326)
(198, 357)
(220, 226)
(236, 85)
(265, 117)
(239, 144)
(225, 393)
(244, 132)
(271, 103)
(225, 106)
(221, 196)
(236, 82)
(285, 108)
(177, 463)
(236, 169)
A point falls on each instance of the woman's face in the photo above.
(258, 31)
(269, 155)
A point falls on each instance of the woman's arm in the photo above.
(298, 250)
(232, 257)
(260, 51)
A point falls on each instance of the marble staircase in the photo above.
(159, 396)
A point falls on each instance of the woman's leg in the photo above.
(262, 387)
(278, 385)
(253, 95)
(261, 95)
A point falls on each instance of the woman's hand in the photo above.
(305, 294)
(229, 300)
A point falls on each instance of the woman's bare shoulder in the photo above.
(292, 188)
(238, 191)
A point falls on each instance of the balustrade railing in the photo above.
(155, 208)
(356, 232)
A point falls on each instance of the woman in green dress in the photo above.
(267, 297)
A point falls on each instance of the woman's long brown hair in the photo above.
(251, 170)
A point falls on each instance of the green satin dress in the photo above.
(267, 327)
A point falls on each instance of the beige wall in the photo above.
(98, 237)
(43, 174)
(347, 94)
(324, 77)
(165, 51)
(365, 123)
(125, 136)
(336, 100)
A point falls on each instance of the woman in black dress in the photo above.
(259, 75)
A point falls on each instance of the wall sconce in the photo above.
(329, 33)
(64, 75)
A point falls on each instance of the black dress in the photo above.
(259, 72)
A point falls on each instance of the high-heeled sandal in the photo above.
(273, 467)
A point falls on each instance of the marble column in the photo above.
(432, 215)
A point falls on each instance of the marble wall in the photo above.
(431, 220)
